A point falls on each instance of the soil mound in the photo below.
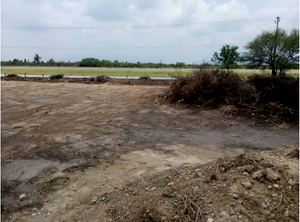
(250, 187)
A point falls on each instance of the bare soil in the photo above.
(78, 152)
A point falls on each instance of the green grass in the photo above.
(247, 74)
(109, 73)
(87, 72)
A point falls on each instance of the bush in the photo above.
(102, 79)
(59, 76)
(213, 88)
(89, 62)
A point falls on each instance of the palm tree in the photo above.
(37, 58)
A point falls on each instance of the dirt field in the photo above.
(77, 152)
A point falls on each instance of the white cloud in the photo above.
(120, 13)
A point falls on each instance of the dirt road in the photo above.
(116, 133)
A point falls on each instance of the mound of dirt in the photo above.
(250, 187)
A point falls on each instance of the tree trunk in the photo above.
(274, 71)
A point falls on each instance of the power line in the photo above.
(131, 47)
(150, 26)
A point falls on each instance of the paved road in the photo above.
(124, 69)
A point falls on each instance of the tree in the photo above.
(288, 52)
(90, 62)
(276, 49)
(51, 61)
(228, 56)
(37, 58)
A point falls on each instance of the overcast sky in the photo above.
(173, 31)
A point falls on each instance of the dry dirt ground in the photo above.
(77, 152)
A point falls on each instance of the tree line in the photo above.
(278, 50)
(275, 50)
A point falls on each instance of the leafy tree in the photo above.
(37, 58)
(89, 62)
(276, 49)
(288, 52)
(228, 56)
(180, 64)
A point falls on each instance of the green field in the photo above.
(109, 73)
(87, 72)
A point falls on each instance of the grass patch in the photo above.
(88, 72)
(115, 73)
(247, 74)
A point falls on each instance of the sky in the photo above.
(144, 31)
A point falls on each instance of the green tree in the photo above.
(228, 56)
(276, 49)
(89, 62)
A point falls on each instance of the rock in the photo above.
(236, 195)
(167, 208)
(264, 206)
(276, 186)
(286, 212)
(272, 175)
(232, 212)
(94, 200)
(258, 174)
(22, 196)
(34, 209)
(210, 220)
(170, 184)
(247, 184)
(291, 182)
(246, 174)
(223, 215)
(240, 217)
(103, 198)
(152, 189)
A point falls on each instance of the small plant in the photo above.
(102, 79)
(59, 76)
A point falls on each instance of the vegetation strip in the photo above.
(88, 72)
(113, 73)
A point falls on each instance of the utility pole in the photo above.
(274, 70)
(277, 22)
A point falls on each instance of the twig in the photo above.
(249, 215)
(19, 175)
(279, 202)
(176, 169)
(199, 211)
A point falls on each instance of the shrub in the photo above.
(59, 76)
(213, 88)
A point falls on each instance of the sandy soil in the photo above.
(75, 152)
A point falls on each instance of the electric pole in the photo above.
(274, 70)
(277, 22)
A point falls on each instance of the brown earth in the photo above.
(77, 152)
